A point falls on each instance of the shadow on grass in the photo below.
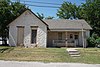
(6, 50)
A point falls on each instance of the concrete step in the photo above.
(72, 50)
(75, 55)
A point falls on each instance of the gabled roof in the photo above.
(33, 14)
(62, 24)
(37, 17)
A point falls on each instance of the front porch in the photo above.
(64, 39)
(65, 43)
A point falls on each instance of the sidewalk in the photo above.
(40, 64)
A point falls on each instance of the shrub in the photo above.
(95, 36)
(91, 42)
(98, 41)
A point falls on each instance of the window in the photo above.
(71, 35)
(76, 36)
(33, 36)
(60, 36)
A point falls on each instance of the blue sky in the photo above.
(49, 11)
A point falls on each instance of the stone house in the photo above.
(30, 31)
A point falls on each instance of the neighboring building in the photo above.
(30, 31)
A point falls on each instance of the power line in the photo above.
(42, 6)
(42, 2)
(38, 2)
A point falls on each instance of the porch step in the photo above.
(73, 52)
(75, 55)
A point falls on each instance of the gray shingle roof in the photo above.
(62, 24)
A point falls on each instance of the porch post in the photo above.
(66, 39)
(83, 37)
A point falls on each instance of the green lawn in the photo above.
(88, 55)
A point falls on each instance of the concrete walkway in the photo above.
(40, 64)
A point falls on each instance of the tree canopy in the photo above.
(90, 11)
(8, 12)
(68, 11)
(41, 16)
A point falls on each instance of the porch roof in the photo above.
(62, 24)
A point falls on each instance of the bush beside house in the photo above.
(98, 42)
(94, 41)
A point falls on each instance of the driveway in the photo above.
(40, 64)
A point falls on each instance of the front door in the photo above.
(20, 35)
(74, 38)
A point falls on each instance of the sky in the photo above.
(46, 10)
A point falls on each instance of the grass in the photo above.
(88, 55)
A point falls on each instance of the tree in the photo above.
(41, 16)
(90, 11)
(8, 12)
(69, 11)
